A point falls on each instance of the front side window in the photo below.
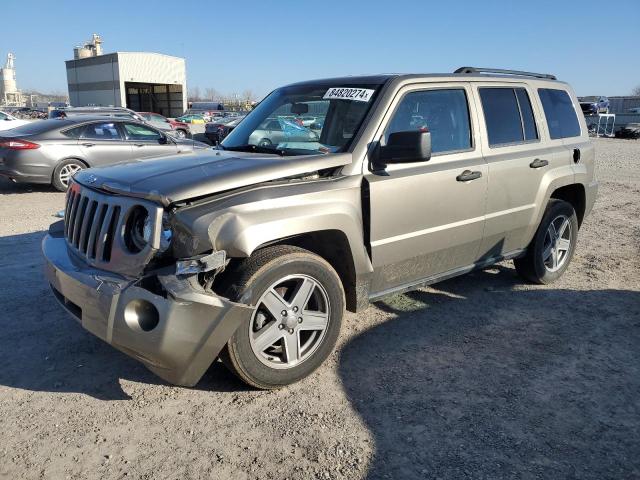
(280, 123)
(3, 116)
(444, 113)
(101, 131)
(133, 131)
(559, 112)
(508, 115)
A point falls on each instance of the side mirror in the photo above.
(406, 147)
(163, 140)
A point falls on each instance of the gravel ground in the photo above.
(479, 377)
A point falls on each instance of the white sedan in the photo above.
(9, 121)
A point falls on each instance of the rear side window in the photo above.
(74, 132)
(559, 112)
(508, 115)
(445, 113)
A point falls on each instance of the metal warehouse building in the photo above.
(145, 82)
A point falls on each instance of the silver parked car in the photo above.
(253, 252)
(274, 131)
(52, 151)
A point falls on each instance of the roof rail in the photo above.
(504, 72)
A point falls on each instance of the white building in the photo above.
(145, 82)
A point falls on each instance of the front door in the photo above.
(427, 218)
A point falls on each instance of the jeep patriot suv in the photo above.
(251, 252)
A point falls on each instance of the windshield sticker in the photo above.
(356, 94)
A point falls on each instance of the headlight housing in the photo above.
(139, 231)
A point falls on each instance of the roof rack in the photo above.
(504, 72)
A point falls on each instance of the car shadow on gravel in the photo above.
(480, 378)
(7, 187)
(42, 348)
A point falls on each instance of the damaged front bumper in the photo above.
(176, 330)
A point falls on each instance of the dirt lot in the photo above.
(480, 377)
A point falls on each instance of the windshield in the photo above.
(304, 120)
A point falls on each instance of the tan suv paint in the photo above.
(383, 230)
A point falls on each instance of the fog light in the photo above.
(141, 315)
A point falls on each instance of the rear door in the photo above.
(101, 143)
(146, 141)
(520, 158)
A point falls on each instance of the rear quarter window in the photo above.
(559, 112)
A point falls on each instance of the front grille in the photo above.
(90, 224)
(95, 224)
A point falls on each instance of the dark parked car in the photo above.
(52, 151)
(594, 105)
(218, 130)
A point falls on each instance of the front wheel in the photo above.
(299, 303)
(552, 247)
(181, 134)
(64, 171)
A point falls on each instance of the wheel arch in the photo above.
(333, 246)
(574, 194)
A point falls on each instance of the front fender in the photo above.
(271, 213)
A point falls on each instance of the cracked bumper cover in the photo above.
(193, 326)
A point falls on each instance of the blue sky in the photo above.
(259, 45)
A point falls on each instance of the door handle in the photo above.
(576, 155)
(468, 175)
(539, 163)
(88, 144)
(138, 145)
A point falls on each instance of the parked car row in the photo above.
(174, 127)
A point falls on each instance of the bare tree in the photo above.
(636, 91)
(211, 93)
(248, 96)
(194, 94)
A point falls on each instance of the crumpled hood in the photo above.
(176, 178)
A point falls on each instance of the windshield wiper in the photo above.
(254, 149)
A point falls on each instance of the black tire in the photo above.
(58, 179)
(532, 266)
(253, 277)
(181, 133)
(265, 142)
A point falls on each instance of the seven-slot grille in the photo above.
(90, 223)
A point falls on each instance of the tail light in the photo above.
(18, 145)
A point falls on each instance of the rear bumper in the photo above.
(20, 176)
(190, 327)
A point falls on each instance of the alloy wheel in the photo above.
(67, 172)
(557, 243)
(290, 321)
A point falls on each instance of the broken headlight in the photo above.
(139, 231)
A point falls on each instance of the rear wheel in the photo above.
(552, 247)
(265, 142)
(63, 173)
(299, 308)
